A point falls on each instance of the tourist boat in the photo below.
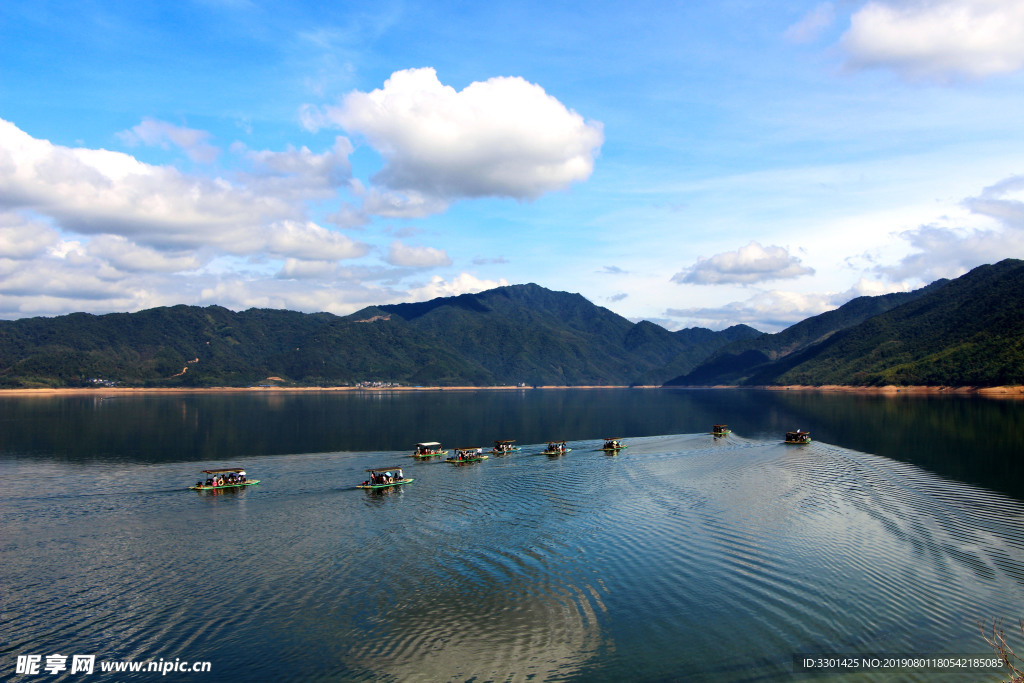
(613, 445)
(798, 437)
(721, 430)
(428, 449)
(228, 478)
(466, 455)
(556, 448)
(384, 477)
(505, 446)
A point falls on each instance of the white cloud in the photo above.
(464, 283)
(613, 270)
(23, 239)
(300, 174)
(502, 137)
(813, 24)
(102, 192)
(1003, 201)
(96, 230)
(348, 217)
(406, 204)
(766, 311)
(938, 39)
(98, 192)
(310, 241)
(77, 277)
(774, 310)
(747, 265)
(129, 257)
(163, 134)
(400, 254)
(297, 269)
(950, 251)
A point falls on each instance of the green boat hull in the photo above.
(456, 461)
(384, 486)
(225, 486)
(428, 456)
(556, 452)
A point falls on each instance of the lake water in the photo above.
(685, 557)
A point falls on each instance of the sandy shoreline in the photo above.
(998, 392)
(992, 392)
(106, 391)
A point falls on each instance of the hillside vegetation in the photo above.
(964, 332)
(968, 332)
(510, 335)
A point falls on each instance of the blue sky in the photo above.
(692, 164)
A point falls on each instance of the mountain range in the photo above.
(521, 334)
(963, 332)
(967, 331)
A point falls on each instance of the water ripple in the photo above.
(631, 567)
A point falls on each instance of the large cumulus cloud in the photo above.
(938, 39)
(101, 192)
(503, 137)
(98, 230)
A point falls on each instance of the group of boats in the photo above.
(387, 477)
(799, 437)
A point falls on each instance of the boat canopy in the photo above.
(385, 469)
(469, 448)
(613, 438)
(504, 441)
(429, 444)
(236, 470)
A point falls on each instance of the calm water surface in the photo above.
(685, 557)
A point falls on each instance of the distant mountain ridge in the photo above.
(509, 335)
(967, 331)
(963, 332)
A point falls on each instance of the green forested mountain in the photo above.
(964, 332)
(510, 335)
(526, 333)
(968, 331)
